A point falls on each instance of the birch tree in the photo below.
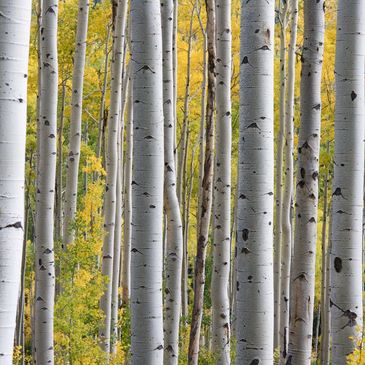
(222, 189)
(73, 157)
(283, 11)
(207, 189)
(174, 247)
(14, 47)
(303, 263)
(111, 169)
(44, 267)
(286, 220)
(347, 199)
(255, 296)
(147, 184)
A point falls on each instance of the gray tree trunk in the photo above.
(222, 189)
(286, 215)
(73, 156)
(255, 297)
(304, 258)
(44, 267)
(174, 234)
(111, 169)
(347, 201)
(147, 185)
(14, 48)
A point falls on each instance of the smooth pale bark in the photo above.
(118, 218)
(59, 178)
(73, 156)
(207, 192)
(174, 233)
(304, 258)
(111, 169)
(126, 255)
(147, 185)
(222, 189)
(325, 340)
(44, 266)
(283, 11)
(348, 184)
(286, 221)
(14, 48)
(255, 297)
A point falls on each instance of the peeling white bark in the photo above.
(255, 297)
(147, 184)
(14, 47)
(348, 184)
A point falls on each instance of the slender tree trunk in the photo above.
(324, 304)
(185, 124)
(147, 185)
(14, 47)
(347, 209)
(73, 156)
(207, 187)
(45, 270)
(126, 255)
(111, 168)
(102, 100)
(286, 215)
(283, 10)
(303, 262)
(222, 189)
(255, 297)
(59, 181)
(174, 234)
(118, 219)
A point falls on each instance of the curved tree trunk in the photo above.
(73, 157)
(111, 168)
(174, 247)
(207, 190)
(14, 47)
(147, 185)
(346, 255)
(255, 297)
(283, 10)
(44, 268)
(222, 189)
(303, 262)
(286, 215)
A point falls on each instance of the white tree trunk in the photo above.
(255, 297)
(45, 270)
(111, 168)
(73, 157)
(283, 10)
(14, 48)
(286, 221)
(126, 254)
(222, 189)
(118, 219)
(346, 255)
(303, 262)
(147, 185)
(174, 247)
